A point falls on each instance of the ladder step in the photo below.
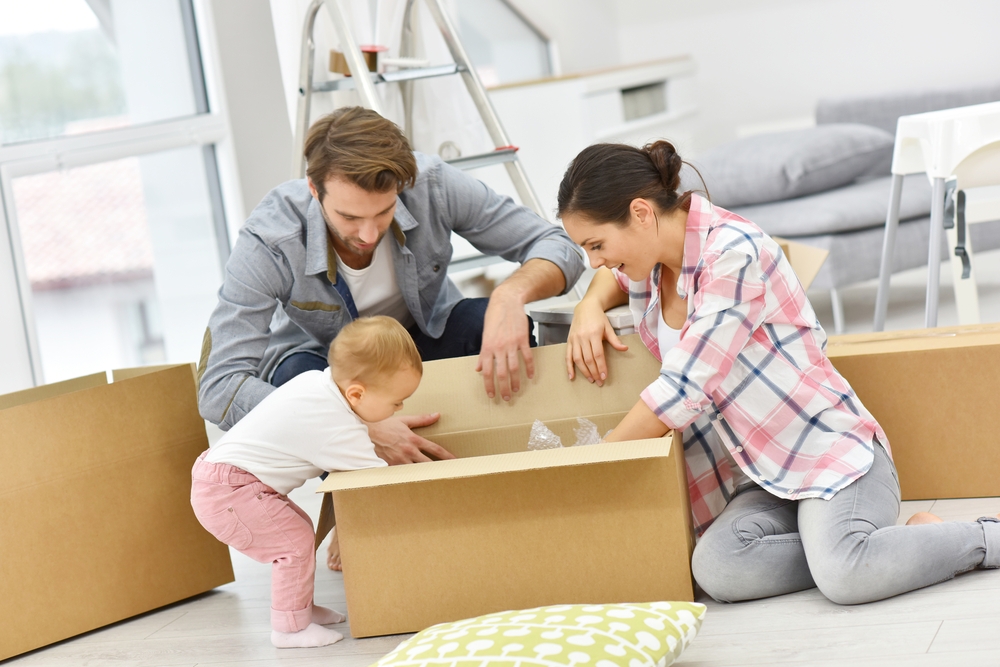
(348, 83)
(498, 156)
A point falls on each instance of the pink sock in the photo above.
(324, 616)
(313, 635)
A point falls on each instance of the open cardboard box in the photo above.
(97, 522)
(505, 528)
(935, 392)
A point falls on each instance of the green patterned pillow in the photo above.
(609, 635)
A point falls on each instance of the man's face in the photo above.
(356, 218)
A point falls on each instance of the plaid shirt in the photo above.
(750, 372)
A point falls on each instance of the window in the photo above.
(502, 43)
(110, 194)
(64, 71)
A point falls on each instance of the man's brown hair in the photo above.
(362, 147)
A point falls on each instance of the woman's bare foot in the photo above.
(922, 518)
(333, 553)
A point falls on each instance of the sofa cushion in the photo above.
(856, 256)
(602, 635)
(883, 110)
(855, 206)
(783, 165)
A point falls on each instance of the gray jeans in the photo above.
(848, 546)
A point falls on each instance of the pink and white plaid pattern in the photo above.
(751, 361)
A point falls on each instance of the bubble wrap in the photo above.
(586, 432)
(542, 438)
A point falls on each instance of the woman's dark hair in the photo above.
(603, 179)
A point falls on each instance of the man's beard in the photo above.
(349, 243)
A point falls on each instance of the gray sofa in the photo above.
(836, 196)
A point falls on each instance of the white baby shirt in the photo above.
(300, 430)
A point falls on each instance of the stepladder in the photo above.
(402, 72)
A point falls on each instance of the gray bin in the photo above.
(553, 323)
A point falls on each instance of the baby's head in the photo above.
(376, 365)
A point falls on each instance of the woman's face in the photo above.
(629, 248)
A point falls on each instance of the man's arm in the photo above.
(239, 331)
(505, 328)
(496, 225)
(550, 265)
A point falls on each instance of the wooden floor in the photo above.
(954, 623)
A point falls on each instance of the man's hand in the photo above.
(395, 443)
(505, 336)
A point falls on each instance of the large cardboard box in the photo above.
(935, 392)
(505, 528)
(96, 519)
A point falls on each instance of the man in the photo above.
(368, 233)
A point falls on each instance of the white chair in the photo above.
(959, 150)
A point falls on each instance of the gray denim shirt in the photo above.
(280, 293)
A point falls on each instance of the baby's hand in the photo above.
(333, 553)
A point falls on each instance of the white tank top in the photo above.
(374, 287)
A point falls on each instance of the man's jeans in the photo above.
(849, 546)
(463, 336)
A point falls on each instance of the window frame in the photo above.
(19, 346)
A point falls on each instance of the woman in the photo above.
(791, 478)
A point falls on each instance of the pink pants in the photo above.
(251, 517)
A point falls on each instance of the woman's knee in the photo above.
(844, 590)
(847, 579)
(712, 569)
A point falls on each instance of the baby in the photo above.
(312, 423)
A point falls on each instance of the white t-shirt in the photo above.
(667, 338)
(301, 429)
(374, 287)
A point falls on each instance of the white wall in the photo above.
(761, 63)
(584, 31)
(766, 62)
(251, 83)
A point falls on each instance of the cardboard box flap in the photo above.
(910, 340)
(500, 463)
(806, 260)
(128, 373)
(453, 388)
(82, 417)
(78, 384)
(52, 390)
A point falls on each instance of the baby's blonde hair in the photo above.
(370, 349)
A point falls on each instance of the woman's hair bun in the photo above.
(667, 162)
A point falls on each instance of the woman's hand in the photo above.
(585, 344)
